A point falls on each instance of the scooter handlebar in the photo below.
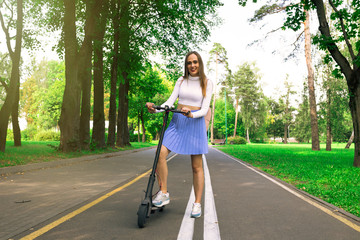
(171, 109)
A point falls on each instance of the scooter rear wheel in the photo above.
(142, 214)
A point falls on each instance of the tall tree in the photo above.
(114, 73)
(218, 56)
(284, 6)
(287, 113)
(334, 107)
(92, 12)
(315, 142)
(15, 55)
(152, 26)
(73, 137)
(302, 129)
(122, 137)
(141, 92)
(276, 125)
(70, 111)
(248, 92)
(98, 135)
(347, 19)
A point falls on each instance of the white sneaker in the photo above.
(161, 199)
(196, 210)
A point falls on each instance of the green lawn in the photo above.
(327, 175)
(32, 152)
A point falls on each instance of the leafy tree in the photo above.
(287, 109)
(218, 56)
(41, 95)
(302, 128)
(141, 28)
(275, 127)
(282, 7)
(219, 124)
(334, 109)
(5, 72)
(142, 90)
(347, 18)
(98, 134)
(154, 122)
(247, 93)
(11, 102)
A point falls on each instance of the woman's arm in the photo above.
(206, 101)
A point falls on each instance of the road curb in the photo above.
(19, 169)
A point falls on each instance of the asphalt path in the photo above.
(99, 198)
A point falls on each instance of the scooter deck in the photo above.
(155, 208)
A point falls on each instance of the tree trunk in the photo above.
(285, 133)
(138, 126)
(247, 135)
(114, 78)
(352, 76)
(312, 99)
(122, 123)
(98, 136)
(15, 120)
(328, 120)
(212, 119)
(70, 111)
(6, 109)
(214, 101)
(236, 115)
(122, 138)
(84, 73)
(84, 76)
(355, 113)
(351, 139)
(143, 126)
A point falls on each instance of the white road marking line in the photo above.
(211, 224)
(343, 220)
(187, 225)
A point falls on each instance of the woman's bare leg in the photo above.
(198, 176)
(162, 169)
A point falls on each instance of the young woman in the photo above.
(186, 133)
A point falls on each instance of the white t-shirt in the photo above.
(189, 93)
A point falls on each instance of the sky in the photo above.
(236, 33)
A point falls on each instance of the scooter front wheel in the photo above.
(142, 214)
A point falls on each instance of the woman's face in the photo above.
(192, 63)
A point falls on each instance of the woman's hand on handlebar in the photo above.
(187, 112)
(150, 108)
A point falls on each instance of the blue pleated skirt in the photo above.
(186, 135)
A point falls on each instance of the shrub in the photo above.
(236, 140)
(9, 135)
(47, 135)
(134, 137)
(29, 133)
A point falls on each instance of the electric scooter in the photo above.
(146, 207)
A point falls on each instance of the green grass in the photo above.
(327, 175)
(33, 152)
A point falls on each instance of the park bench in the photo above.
(218, 141)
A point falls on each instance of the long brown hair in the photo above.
(203, 78)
